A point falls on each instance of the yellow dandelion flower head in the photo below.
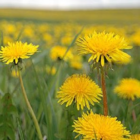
(15, 51)
(135, 137)
(76, 62)
(79, 89)
(104, 47)
(128, 88)
(47, 37)
(66, 40)
(135, 38)
(58, 52)
(98, 127)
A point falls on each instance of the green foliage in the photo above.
(7, 123)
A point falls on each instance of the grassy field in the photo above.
(111, 16)
(46, 70)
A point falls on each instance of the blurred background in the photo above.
(60, 9)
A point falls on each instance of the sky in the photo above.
(70, 4)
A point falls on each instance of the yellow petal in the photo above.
(92, 58)
(98, 57)
(107, 58)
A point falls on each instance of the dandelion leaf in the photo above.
(7, 123)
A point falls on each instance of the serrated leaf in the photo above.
(6, 118)
(8, 106)
(8, 121)
(11, 109)
(6, 98)
(6, 132)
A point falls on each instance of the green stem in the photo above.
(40, 110)
(104, 92)
(30, 108)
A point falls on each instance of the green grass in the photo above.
(106, 16)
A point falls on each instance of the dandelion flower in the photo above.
(79, 89)
(104, 47)
(135, 38)
(98, 127)
(135, 137)
(128, 88)
(13, 52)
(58, 52)
(66, 40)
(76, 62)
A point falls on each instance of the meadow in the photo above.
(56, 33)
